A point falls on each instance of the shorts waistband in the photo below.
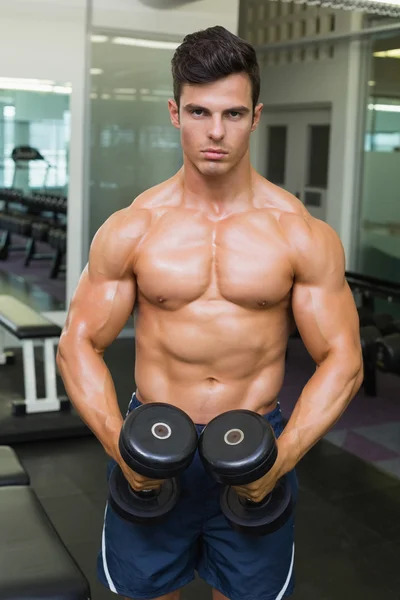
(274, 417)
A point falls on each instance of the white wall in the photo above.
(179, 19)
(334, 83)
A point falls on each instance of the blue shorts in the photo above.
(148, 561)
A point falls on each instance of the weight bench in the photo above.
(34, 563)
(29, 326)
(11, 470)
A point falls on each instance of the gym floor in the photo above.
(348, 529)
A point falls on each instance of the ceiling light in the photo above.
(125, 91)
(385, 107)
(395, 2)
(165, 93)
(62, 89)
(26, 87)
(9, 112)
(394, 53)
(22, 80)
(33, 85)
(99, 39)
(125, 41)
(96, 71)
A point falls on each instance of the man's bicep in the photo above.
(105, 296)
(100, 308)
(326, 318)
(322, 302)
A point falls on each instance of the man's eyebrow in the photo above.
(243, 109)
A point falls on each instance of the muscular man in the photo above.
(220, 263)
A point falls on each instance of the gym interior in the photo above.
(84, 129)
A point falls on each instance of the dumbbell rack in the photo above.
(31, 220)
(377, 331)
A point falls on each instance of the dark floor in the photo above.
(348, 525)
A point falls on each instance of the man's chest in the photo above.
(243, 260)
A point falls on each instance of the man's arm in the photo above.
(327, 320)
(101, 306)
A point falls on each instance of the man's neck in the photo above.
(219, 196)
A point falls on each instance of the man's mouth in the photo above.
(214, 153)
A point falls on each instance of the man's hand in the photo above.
(257, 490)
(139, 482)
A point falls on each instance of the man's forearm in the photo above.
(321, 403)
(90, 388)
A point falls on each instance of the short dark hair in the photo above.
(211, 54)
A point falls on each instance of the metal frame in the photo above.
(359, 160)
(31, 404)
(50, 402)
(330, 38)
(3, 356)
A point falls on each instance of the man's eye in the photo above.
(197, 111)
(235, 113)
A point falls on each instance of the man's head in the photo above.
(216, 89)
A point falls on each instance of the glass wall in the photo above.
(133, 144)
(379, 237)
(34, 149)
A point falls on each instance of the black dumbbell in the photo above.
(388, 353)
(158, 441)
(239, 447)
(369, 335)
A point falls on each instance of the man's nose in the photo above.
(217, 130)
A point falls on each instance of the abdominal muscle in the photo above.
(207, 366)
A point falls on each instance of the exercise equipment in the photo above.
(388, 353)
(239, 447)
(23, 156)
(369, 335)
(158, 441)
(28, 326)
(11, 469)
(34, 561)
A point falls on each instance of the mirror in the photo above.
(34, 149)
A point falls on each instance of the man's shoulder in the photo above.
(135, 219)
(309, 239)
(276, 199)
(165, 194)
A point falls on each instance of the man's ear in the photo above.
(257, 115)
(174, 113)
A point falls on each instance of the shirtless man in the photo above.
(220, 263)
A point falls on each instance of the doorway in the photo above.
(297, 154)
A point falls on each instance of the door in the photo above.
(297, 155)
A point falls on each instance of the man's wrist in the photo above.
(287, 459)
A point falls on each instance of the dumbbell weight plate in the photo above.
(238, 447)
(158, 440)
(388, 353)
(369, 335)
(258, 518)
(140, 508)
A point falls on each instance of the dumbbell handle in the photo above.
(251, 503)
(145, 494)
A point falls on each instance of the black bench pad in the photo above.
(11, 470)
(35, 564)
(24, 322)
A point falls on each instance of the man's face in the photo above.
(216, 120)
